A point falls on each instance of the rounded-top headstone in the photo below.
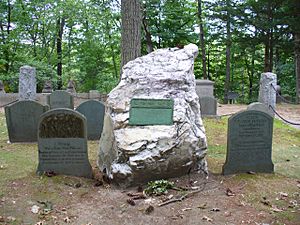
(62, 143)
(260, 107)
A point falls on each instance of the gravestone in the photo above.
(22, 120)
(62, 143)
(27, 83)
(267, 89)
(47, 87)
(204, 88)
(249, 143)
(151, 112)
(94, 112)
(71, 87)
(60, 99)
(94, 94)
(208, 106)
(1, 87)
(260, 107)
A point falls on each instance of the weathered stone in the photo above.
(47, 87)
(205, 88)
(249, 143)
(260, 107)
(71, 86)
(60, 99)
(208, 106)
(1, 87)
(94, 94)
(267, 90)
(27, 83)
(94, 112)
(151, 112)
(62, 143)
(132, 154)
(22, 120)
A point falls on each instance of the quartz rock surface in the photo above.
(131, 155)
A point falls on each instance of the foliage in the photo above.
(91, 40)
(158, 187)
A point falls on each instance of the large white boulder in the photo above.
(130, 155)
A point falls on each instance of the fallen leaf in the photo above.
(149, 209)
(215, 210)
(251, 172)
(229, 192)
(2, 220)
(227, 214)
(130, 201)
(186, 209)
(67, 220)
(11, 218)
(35, 209)
(283, 194)
(276, 209)
(265, 201)
(39, 223)
(203, 206)
(207, 219)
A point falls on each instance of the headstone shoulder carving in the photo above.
(27, 83)
(22, 120)
(62, 143)
(94, 112)
(60, 99)
(249, 143)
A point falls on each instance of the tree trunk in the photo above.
(267, 53)
(147, 35)
(297, 64)
(202, 43)
(131, 30)
(228, 48)
(60, 29)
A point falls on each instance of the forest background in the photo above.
(80, 40)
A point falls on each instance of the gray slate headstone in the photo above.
(62, 143)
(94, 112)
(249, 143)
(208, 106)
(260, 107)
(60, 99)
(22, 120)
(27, 83)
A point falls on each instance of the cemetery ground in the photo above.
(26, 198)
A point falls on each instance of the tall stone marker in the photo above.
(152, 124)
(208, 106)
(60, 99)
(249, 143)
(22, 120)
(94, 112)
(62, 143)
(267, 90)
(27, 83)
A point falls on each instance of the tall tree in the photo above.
(202, 43)
(131, 30)
(228, 51)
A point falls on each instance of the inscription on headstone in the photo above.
(62, 143)
(60, 99)
(249, 143)
(151, 112)
(22, 120)
(27, 83)
(94, 112)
